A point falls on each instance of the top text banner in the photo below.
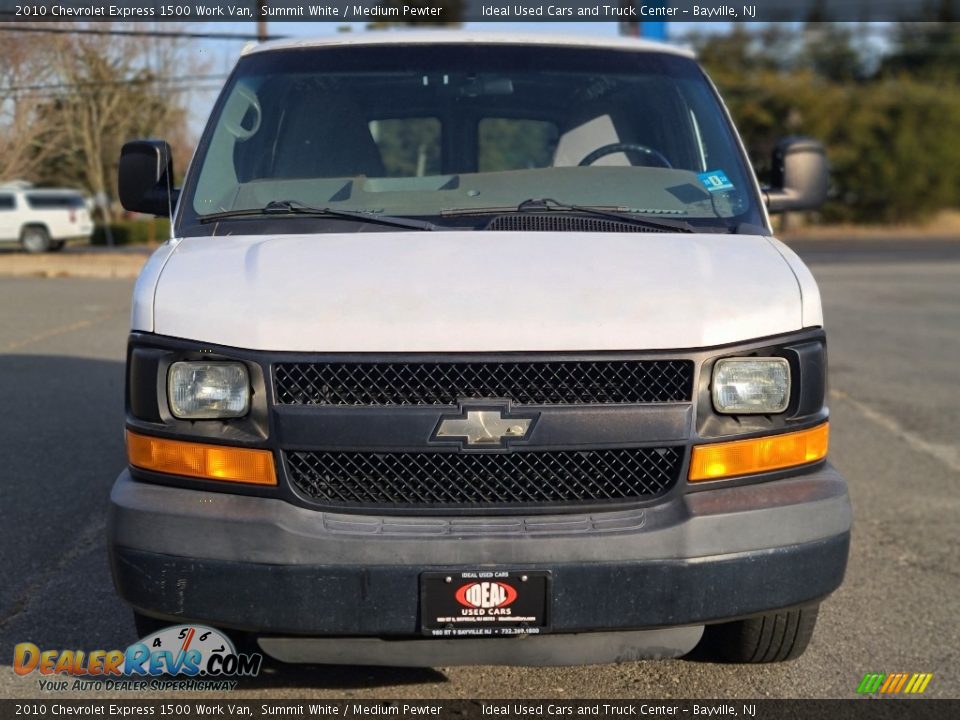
(455, 11)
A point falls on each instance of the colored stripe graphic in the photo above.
(913, 683)
(871, 683)
(919, 681)
(897, 685)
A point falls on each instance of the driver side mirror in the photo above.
(799, 176)
(145, 181)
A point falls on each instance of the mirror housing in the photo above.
(145, 182)
(799, 176)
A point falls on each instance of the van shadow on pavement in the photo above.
(61, 447)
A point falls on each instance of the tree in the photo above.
(24, 65)
(893, 148)
(926, 50)
(829, 52)
(86, 98)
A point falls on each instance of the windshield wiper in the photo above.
(294, 208)
(550, 205)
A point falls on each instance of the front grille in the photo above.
(560, 222)
(445, 383)
(482, 480)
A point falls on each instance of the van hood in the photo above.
(472, 291)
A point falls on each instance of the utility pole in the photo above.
(261, 21)
(634, 28)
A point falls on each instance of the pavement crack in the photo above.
(52, 332)
(60, 330)
(949, 455)
(86, 542)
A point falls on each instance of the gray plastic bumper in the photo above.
(264, 565)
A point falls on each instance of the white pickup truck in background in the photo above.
(42, 220)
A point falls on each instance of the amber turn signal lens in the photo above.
(744, 457)
(197, 460)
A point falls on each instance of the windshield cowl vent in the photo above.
(562, 222)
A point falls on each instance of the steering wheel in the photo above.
(233, 126)
(625, 147)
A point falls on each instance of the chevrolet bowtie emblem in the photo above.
(483, 427)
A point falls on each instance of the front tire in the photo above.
(147, 625)
(775, 637)
(35, 239)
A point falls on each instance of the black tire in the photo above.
(147, 625)
(35, 239)
(771, 638)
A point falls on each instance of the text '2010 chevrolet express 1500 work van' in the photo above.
(477, 349)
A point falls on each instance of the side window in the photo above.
(515, 144)
(54, 202)
(410, 147)
(7, 202)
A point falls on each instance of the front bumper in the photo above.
(263, 565)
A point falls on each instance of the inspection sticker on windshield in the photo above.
(715, 181)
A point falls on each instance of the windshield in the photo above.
(450, 132)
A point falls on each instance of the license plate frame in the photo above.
(485, 607)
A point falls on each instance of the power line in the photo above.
(90, 93)
(167, 34)
(106, 83)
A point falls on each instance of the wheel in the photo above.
(244, 642)
(35, 239)
(57, 245)
(147, 625)
(611, 148)
(769, 638)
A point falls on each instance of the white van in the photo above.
(477, 348)
(42, 220)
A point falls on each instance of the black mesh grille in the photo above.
(482, 480)
(529, 383)
(559, 222)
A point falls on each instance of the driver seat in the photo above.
(326, 135)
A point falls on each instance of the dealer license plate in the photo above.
(484, 603)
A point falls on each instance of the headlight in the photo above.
(207, 390)
(744, 386)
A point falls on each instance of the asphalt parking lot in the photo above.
(893, 318)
